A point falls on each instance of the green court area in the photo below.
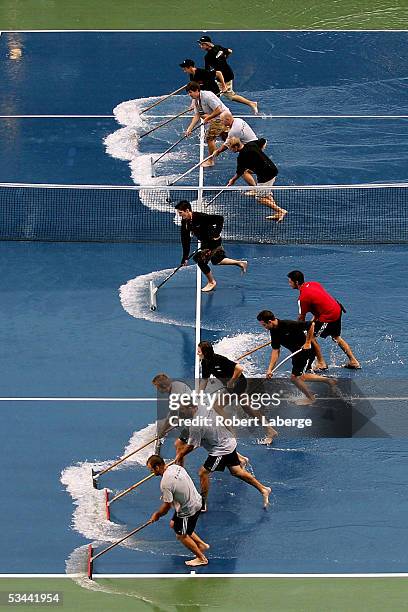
(193, 593)
(210, 15)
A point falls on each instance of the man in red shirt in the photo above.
(326, 313)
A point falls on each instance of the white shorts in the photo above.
(267, 192)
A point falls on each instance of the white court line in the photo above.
(154, 399)
(161, 576)
(198, 275)
(58, 116)
(277, 116)
(194, 188)
(78, 399)
(206, 31)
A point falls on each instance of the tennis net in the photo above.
(316, 215)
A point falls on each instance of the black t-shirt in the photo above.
(290, 334)
(221, 367)
(206, 79)
(205, 227)
(251, 157)
(216, 59)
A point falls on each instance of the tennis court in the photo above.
(82, 345)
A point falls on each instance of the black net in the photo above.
(340, 215)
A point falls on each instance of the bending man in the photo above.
(207, 106)
(178, 490)
(238, 128)
(216, 59)
(207, 228)
(291, 335)
(231, 375)
(251, 160)
(222, 452)
(326, 311)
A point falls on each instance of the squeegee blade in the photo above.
(152, 296)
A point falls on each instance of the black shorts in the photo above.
(218, 464)
(239, 387)
(333, 329)
(211, 251)
(185, 525)
(300, 361)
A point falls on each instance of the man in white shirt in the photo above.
(238, 128)
(177, 389)
(178, 491)
(207, 106)
(221, 446)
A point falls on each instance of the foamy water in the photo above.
(134, 297)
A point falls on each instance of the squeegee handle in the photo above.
(176, 269)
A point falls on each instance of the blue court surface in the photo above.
(80, 344)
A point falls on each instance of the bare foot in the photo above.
(244, 266)
(352, 365)
(209, 287)
(203, 546)
(269, 438)
(265, 494)
(305, 401)
(208, 163)
(278, 217)
(197, 561)
(320, 365)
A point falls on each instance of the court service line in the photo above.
(155, 399)
(308, 31)
(78, 399)
(194, 575)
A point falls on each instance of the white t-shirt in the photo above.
(178, 387)
(216, 439)
(240, 129)
(178, 489)
(207, 103)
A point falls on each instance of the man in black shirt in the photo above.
(207, 228)
(205, 78)
(293, 335)
(216, 59)
(252, 160)
(231, 375)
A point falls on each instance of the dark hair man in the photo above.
(205, 78)
(231, 375)
(292, 335)
(252, 160)
(326, 311)
(221, 446)
(208, 107)
(178, 490)
(216, 59)
(207, 228)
